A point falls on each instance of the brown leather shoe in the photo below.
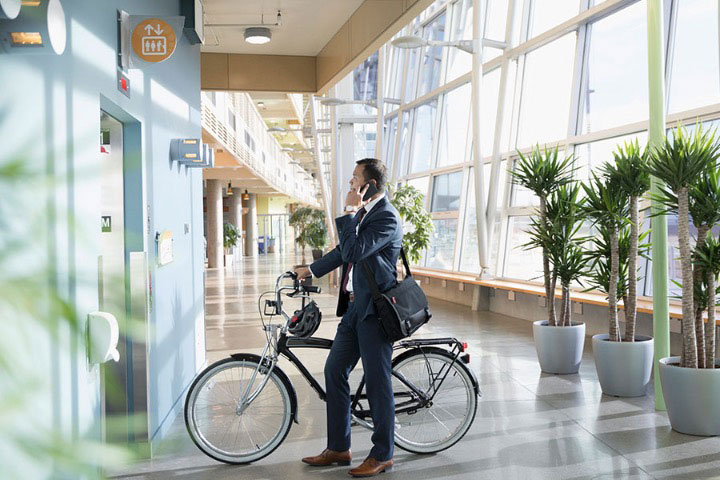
(328, 457)
(371, 467)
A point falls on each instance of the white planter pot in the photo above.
(692, 397)
(229, 259)
(623, 368)
(559, 349)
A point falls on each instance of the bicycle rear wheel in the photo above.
(224, 431)
(443, 422)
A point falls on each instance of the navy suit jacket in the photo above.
(377, 242)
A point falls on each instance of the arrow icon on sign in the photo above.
(148, 29)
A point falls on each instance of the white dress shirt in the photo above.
(368, 207)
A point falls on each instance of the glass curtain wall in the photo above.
(582, 87)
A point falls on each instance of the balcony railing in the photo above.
(237, 147)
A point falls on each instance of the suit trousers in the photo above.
(360, 338)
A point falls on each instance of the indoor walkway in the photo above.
(529, 425)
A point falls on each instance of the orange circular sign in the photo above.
(153, 40)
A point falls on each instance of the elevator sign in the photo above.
(153, 40)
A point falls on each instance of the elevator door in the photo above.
(122, 283)
(112, 271)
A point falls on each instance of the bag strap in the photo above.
(405, 262)
(371, 278)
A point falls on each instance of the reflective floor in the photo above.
(529, 425)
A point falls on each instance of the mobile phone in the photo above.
(372, 190)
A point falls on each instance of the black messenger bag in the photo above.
(403, 308)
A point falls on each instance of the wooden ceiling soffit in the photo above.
(369, 27)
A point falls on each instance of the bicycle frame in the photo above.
(279, 343)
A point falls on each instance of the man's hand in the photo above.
(303, 273)
(355, 198)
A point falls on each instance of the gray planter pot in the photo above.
(623, 368)
(692, 397)
(559, 349)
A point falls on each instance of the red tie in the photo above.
(359, 215)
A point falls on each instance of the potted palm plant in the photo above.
(691, 393)
(560, 347)
(623, 365)
(316, 233)
(299, 220)
(230, 239)
(542, 172)
(704, 207)
(410, 204)
(560, 344)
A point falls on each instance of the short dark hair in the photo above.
(374, 169)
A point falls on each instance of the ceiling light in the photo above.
(276, 129)
(229, 189)
(38, 28)
(257, 35)
(261, 105)
(245, 195)
(409, 41)
(9, 9)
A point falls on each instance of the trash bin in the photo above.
(261, 244)
(271, 244)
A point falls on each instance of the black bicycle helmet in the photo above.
(305, 321)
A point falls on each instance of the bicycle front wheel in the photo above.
(228, 431)
(446, 419)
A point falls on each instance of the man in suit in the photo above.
(371, 232)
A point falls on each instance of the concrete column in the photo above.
(235, 215)
(251, 246)
(215, 224)
(656, 80)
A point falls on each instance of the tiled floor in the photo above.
(529, 425)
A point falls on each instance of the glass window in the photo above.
(522, 197)
(442, 244)
(421, 184)
(695, 79)
(488, 111)
(365, 137)
(393, 73)
(446, 192)
(590, 156)
(432, 56)
(454, 125)
(496, 18)
(411, 78)
(617, 82)
(460, 62)
(389, 141)
(231, 119)
(365, 79)
(469, 259)
(546, 15)
(403, 151)
(545, 106)
(423, 137)
(520, 263)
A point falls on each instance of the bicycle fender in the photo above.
(440, 351)
(281, 375)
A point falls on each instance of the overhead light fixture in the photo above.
(258, 35)
(245, 195)
(37, 28)
(229, 189)
(261, 105)
(334, 102)
(9, 9)
(414, 41)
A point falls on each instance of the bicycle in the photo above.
(240, 409)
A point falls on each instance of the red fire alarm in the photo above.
(123, 83)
